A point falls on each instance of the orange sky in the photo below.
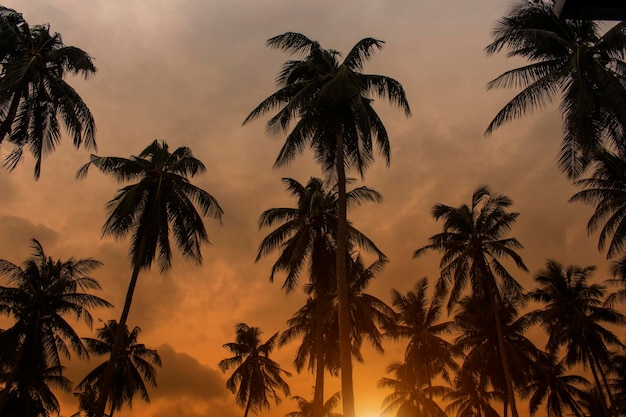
(189, 72)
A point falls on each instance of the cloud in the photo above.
(183, 376)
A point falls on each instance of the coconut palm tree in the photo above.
(470, 397)
(572, 60)
(33, 92)
(135, 365)
(417, 319)
(560, 391)
(41, 294)
(331, 104)
(574, 316)
(87, 402)
(367, 312)
(162, 200)
(618, 269)
(478, 340)
(472, 244)
(306, 234)
(305, 407)
(411, 396)
(33, 395)
(606, 189)
(302, 231)
(256, 377)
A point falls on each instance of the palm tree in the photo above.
(570, 59)
(618, 269)
(606, 188)
(307, 234)
(367, 313)
(470, 397)
(472, 244)
(550, 384)
(33, 395)
(256, 377)
(478, 339)
(411, 397)
(41, 294)
(305, 407)
(418, 320)
(162, 200)
(134, 366)
(331, 102)
(33, 92)
(573, 316)
(87, 402)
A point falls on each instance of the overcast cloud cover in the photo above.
(189, 72)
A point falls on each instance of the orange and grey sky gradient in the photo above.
(189, 72)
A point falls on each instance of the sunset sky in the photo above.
(189, 72)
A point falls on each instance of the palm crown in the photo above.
(570, 59)
(162, 197)
(33, 93)
(328, 98)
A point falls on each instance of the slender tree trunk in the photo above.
(245, 413)
(109, 373)
(345, 343)
(320, 362)
(494, 300)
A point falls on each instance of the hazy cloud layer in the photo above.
(189, 72)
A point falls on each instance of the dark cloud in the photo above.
(183, 376)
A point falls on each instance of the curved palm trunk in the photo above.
(345, 344)
(109, 373)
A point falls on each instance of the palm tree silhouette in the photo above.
(417, 319)
(568, 59)
(606, 188)
(42, 293)
(478, 339)
(470, 397)
(551, 384)
(306, 234)
(305, 407)
(256, 377)
(411, 395)
(472, 244)
(134, 365)
(33, 92)
(573, 316)
(331, 102)
(162, 200)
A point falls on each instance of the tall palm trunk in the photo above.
(345, 344)
(109, 373)
(320, 359)
(494, 298)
